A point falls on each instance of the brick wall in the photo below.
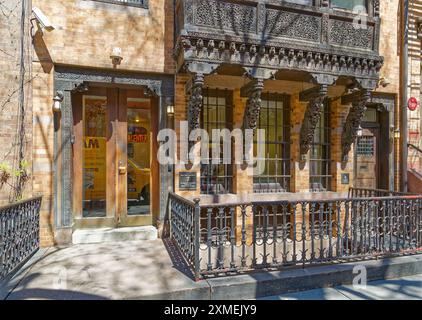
(15, 99)
(415, 51)
(85, 33)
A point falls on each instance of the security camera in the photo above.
(42, 19)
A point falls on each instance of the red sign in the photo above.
(137, 138)
(412, 104)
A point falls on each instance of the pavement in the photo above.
(121, 270)
(154, 269)
(405, 288)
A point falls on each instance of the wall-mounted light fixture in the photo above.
(360, 132)
(57, 101)
(170, 110)
(384, 82)
(397, 134)
(116, 56)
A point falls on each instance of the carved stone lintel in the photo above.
(253, 105)
(353, 121)
(196, 101)
(317, 98)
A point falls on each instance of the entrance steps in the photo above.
(106, 235)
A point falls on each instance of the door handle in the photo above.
(122, 170)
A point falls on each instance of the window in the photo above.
(274, 118)
(320, 178)
(304, 2)
(348, 4)
(133, 3)
(217, 113)
(365, 146)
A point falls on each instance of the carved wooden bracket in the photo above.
(419, 27)
(196, 101)
(253, 91)
(359, 100)
(316, 97)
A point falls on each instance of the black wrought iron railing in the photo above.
(19, 234)
(230, 238)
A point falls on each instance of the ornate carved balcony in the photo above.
(266, 36)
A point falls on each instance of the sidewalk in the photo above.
(121, 270)
(155, 270)
(405, 288)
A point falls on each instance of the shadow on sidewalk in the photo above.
(179, 263)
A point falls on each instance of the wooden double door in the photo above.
(115, 172)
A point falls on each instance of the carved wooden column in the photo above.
(253, 106)
(317, 98)
(196, 101)
(359, 100)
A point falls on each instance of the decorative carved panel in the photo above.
(317, 98)
(353, 121)
(226, 15)
(253, 105)
(293, 25)
(196, 101)
(345, 33)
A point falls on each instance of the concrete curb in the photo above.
(257, 285)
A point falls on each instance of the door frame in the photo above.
(116, 156)
(70, 79)
(385, 155)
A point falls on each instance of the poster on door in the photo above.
(95, 168)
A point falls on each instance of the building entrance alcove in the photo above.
(114, 168)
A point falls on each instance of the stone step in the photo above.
(105, 235)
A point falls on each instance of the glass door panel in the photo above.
(138, 156)
(94, 152)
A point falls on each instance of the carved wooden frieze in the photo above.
(316, 98)
(217, 51)
(253, 104)
(195, 101)
(354, 120)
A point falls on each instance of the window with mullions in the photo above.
(274, 118)
(319, 166)
(348, 4)
(217, 113)
(304, 2)
(132, 3)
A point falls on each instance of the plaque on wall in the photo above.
(187, 181)
(345, 178)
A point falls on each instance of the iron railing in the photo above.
(19, 234)
(231, 238)
(367, 193)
